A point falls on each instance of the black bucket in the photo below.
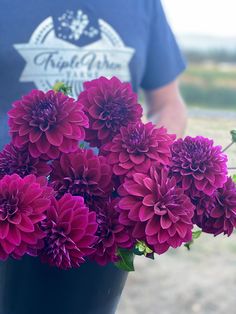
(29, 287)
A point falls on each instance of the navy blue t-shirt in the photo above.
(45, 41)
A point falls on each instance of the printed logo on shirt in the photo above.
(50, 58)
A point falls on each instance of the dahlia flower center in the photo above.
(136, 140)
(160, 207)
(113, 113)
(8, 207)
(43, 115)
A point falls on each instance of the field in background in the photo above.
(210, 85)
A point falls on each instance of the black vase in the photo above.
(29, 287)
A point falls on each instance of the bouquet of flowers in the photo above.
(136, 190)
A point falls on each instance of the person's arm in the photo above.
(167, 108)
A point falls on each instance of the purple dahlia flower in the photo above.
(48, 123)
(82, 173)
(198, 165)
(217, 213)
(111, 233)
(109, 104)
(23, 203)
(137, 147)
(159, 211)
(19, 161)
(70, 232)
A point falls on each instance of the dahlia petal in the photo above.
(216, 212)
(14, 236)
(26, 224)
(54, 137)
(127, 202)
(134, 189)
(165, 222)
(181, 229)
(137, 159)
(15, 219)
(148, 200)
(186, 182)
(163, 236)
(152, 226)
(145, 213)
(34, 135)
(4, 228)
(7, 246)
(33, 150)
(138, 231)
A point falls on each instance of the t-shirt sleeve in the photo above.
(164, 60)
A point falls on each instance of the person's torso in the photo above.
(42, 42)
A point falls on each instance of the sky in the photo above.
(204, 17)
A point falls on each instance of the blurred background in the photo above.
(202, 280)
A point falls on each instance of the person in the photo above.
(43, 42)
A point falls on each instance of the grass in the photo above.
(210, 86)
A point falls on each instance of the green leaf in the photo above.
(196, 234)
(234, 178)
(62, 87)
(141, 248)
(233, 134)
(126, 261)
(188, 245)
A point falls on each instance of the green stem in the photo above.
(227, 147)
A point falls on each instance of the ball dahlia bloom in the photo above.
(48, 123)
(70, 232)
(109, 104)
(198, 165)
(111, 233)
(82, 173)
(23, 203)
(217, 213)
(19, 161)
(159, 211)
(137, 147)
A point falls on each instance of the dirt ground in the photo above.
(202, 280)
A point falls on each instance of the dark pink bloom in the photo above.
(198, 165)
(158, 210)
(137, 147)
(217, 213)
(19, 161)
(82, 173)
(70, 229)
(111, 233)
(23, 203)
(48, 123)
(109, 104)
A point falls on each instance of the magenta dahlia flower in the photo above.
(198, 165)
(70, 232)
(82, 173)
(19, 161)
(23, 203)
(217, 213)
(109, 104)
(111, 233)
(137, 147)
(48, 123)
(160, 212)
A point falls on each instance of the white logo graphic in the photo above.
(50, 59)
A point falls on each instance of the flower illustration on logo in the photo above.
(76, 24)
